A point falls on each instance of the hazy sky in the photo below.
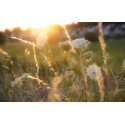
(35, 13)
(39, 13)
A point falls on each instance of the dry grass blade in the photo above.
(69, 39)
(103, 47)
(9, 60)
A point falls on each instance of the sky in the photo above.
(41, 13)
(33, 13)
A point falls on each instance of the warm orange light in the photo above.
(32, 13)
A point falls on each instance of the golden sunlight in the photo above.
(33, 13)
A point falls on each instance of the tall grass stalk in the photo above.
(54, 95)
(101, 89)
(69, 39)
(53, 59)
(9, 60)
(87, 91)
(104, 53)
(103, 47)
(35, 58)
(117, 86)
(36, 63)
(23, 41)
(52, 70)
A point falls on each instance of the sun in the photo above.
(31, 13)
(34, 21)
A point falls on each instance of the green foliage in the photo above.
(67, 65)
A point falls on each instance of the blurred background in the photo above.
(56, 33)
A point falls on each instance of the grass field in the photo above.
(62, 73)
(115, 51)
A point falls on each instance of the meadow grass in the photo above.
(115, 53)
(67, 83)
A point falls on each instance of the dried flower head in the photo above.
(41, 39)
(26, 77)
(65, 45)
(70, 75)
(19, 80)
(88, 55)
(94, 72)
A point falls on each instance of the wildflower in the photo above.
(26, 77)
(65, 45)
(88, 55)
(70, 75)
(79, 42)
(94, 72)
(41, 39)
(16, 82)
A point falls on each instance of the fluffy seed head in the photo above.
(41, 39)
(94, 72)
(65, 45)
